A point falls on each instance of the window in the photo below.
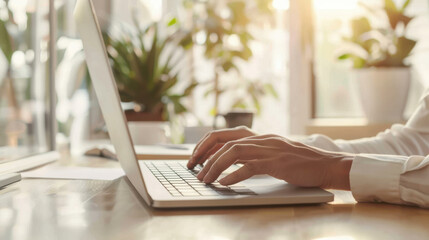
(335, 95)
(268, 64)
(25, 91)
(326, 87)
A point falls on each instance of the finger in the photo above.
(217, 131)
(248, 170)
(259, 140)
(271, 142)
(205, 169)
(214, 138)
(193, 162)
(237, 152)
(209, 153)
(274, 136)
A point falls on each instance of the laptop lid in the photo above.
(107, 93)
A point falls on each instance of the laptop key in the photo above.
(201, 187)
(174, 181)
(182, 185)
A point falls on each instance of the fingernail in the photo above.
(206, 180)
(222, 181)
(199, 175)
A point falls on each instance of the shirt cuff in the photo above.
(375, 178)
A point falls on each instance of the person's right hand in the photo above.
(215, 140)
(279, 157)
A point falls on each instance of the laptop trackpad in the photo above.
(257, 180)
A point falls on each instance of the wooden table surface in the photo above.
(87, 209)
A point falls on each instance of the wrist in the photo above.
(340, 172)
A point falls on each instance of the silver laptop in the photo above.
(168, 183)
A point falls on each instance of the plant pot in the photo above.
(133, 116)
(147, 128)
(383, 93)
(196, 133)
(236, 118)
(149, 133)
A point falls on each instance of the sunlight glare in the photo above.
(335, 4)
(281, 4)
(320, 4)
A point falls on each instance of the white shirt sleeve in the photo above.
(390, 167)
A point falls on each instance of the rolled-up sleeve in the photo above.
(392, 166)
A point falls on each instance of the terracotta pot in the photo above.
(383, 93)
(133, 116)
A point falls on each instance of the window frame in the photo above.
(302, 84)
(302, 80)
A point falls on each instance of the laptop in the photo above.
(168, 183)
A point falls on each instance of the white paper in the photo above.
(78, 173)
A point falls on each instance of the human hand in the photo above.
(213, 141)
(294, 162)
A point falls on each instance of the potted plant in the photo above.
(378, 55)
(222, 28)
(146, 67)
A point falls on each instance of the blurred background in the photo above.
(295, 66)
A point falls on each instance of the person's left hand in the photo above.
(294, 162)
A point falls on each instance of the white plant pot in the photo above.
(196, 133)
(383, 93)
(149, 133)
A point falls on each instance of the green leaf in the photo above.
(5, 41)
(239, 103)
(358, 61)
(390, 5)
(208, 92)
(179, 108)
(265, 6)
(405, 5)
(359, 26)
(404, 46)
(238, 13)
(187, 42)
(190, 89)
(172, 22)
(269, 88)
(344, 56)
(152, 60)
(396, 15)
(228, 65)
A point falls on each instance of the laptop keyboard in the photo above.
(180, 181)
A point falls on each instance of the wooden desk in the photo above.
(77, 209)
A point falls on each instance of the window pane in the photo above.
(335, 94)
(24, 60)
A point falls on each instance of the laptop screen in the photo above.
(107, 92)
